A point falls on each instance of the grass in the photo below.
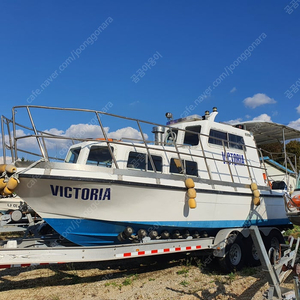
(127, 281)
(184, 283)
(218, 278)
(183, 271)
(295, 232)
(114, 284)
(189, 261)
(231, 277)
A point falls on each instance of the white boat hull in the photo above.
(91, 212)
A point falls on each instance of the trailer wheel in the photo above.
(252, 257)
(274, 239)
(234, 254)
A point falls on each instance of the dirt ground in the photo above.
(160, 278)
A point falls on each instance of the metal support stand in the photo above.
(279, 270)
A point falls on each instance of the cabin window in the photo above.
(138, 161)
(171, 136)
(191, 167)
(192, 138)
(100, 156)
(157, 160)
(216, 137)
(73, 155)
(175, 166)
(236, 141)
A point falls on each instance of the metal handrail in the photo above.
(136, 146)
(41, 136)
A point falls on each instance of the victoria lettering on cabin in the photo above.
(79, 193)
(233, 158)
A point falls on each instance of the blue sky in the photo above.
(195, 40)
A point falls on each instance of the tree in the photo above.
(275, 152)
(294, 147)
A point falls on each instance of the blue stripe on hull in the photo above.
(96, 232)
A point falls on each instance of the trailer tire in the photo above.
(252, 257)
(234, 258)
(273, 239)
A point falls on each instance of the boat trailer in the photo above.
(278, 264)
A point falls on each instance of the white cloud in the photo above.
(94, 131)
(21, 143)
(295, 124)
(54, 131)
(238, 120)
(233, 90)
(26, 143)
(8, 159)
(298, 109)
(127, 132)
(258, 100)
(247, 116)
(263, 117)
(82, 131)
(78, 131)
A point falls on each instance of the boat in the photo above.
(11, 203)
(292, 204)
(195, 177)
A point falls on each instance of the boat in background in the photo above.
(280, 174)
(9, 203)
(292, 204)
(196, 177)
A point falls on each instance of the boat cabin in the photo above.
(193, 146)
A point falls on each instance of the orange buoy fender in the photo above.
(256, 193)
(2, 168)
(189, 183)
(192, 203)
(192, 193)
(12, 183)
(256, 201)
(2, 183)
(253, 186)
(7, 191)
(11, 169)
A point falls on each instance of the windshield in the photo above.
(100, 156)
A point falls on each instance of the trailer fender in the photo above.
(266, 230)
(221, 239)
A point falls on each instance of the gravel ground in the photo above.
(183, 279)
